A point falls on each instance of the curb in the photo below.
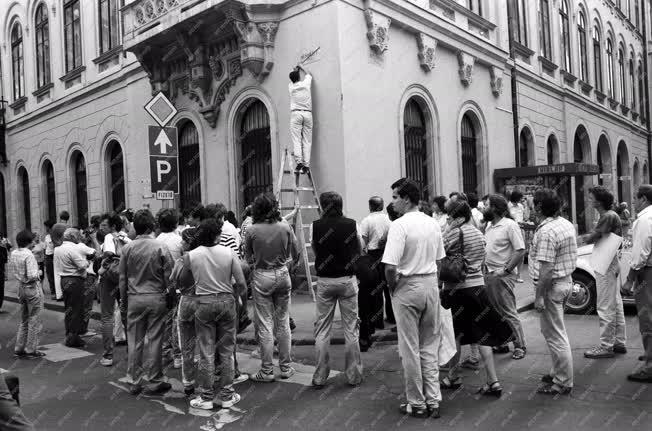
(250, 341)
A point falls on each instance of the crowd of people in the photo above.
(443, 271)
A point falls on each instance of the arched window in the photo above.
(469, 156)
(632, 83)
(544, 29)
(641, 90)
(475, 6)
(256, 153)
(42, 31)
(597, 58)
(72, 34)
(582, 154)
(3, 208)
(416, 145)
(109, 31)
(50, 191)
(17, 65)
(565, 36)
(81, 194)
(23, 184)
(604, 162)
(581, 36)
(622, 172)
(521, 22)
(636, 174)
(637, 13)
(621, 76)
(552, 150)
(526, 147)
(189, 167)
(611, 85)
(116, 179)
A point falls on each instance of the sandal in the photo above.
(492, 389)
(519, 353)
(447, 383)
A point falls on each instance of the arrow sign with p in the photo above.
(163, 153)
(163, 141)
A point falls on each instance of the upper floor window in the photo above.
(565, 36)
(621, 76)
(41, 26)
(109, 31)
(641, 89)
(581, 35)
(72, 34)
(610, 69)
(597, 58)
(17, 65)
(637, 14)
(544, 30)
(475, 6)
(521, 22)
(632, 83)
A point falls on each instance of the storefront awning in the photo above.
(562, 169)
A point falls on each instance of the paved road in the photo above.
(79, 394)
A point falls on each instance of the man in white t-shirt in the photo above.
(414, 246)
(301, 117)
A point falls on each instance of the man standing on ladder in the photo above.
(301, 118)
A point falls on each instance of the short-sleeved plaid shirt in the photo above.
(23, 265)
(554, 241)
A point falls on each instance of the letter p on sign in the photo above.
(163, 167)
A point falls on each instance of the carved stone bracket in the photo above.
(466, 63)
(377, 30)
(427, 46)
(496, 74)
(256, 46)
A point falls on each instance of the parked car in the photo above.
(583, 297)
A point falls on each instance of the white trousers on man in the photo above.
(301, 135)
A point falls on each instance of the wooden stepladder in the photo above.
(297, 197)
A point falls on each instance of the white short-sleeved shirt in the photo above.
(300, 97)
(414, 244)
(373, 230)
(503, 239)
(174, 243)
(109, 245)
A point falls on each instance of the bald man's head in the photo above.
(376, 204)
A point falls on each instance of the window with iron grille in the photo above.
(72, 34)
(17, 62)
(3, 207)
(116, 177)
(81, 194)
(469, 156)
(610, 69)
(50, 192)
(23, 180)
(189, 166)
(42, 37)
(621, 77)
(416, 146)
(109, 32)
(255, 153)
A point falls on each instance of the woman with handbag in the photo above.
(474, 320)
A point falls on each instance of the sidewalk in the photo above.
(302, 311)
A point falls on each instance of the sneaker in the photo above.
(235, 398)
(256, 353)
(620, 349)
(263, 377)
(202, 404)
(106, 362)
(240, 378)
(599, 352)
(177, 363)
(415, 412)
(288, 373)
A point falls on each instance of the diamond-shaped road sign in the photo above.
(161, 109)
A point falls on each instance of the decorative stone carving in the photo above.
(268, 32)
(377, 30)
(466, 63)
(496, 74)
(427, 46)
(256, 46)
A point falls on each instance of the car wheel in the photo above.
(582, 297)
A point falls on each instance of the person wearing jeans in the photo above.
(337, 246)
(24, 268)
(552, 260)
(212, 267)
(269, 244)
(609, 302)
(145, 268)
(49, 257)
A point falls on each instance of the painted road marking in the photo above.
(58, 352)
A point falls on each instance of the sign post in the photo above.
(163, 150)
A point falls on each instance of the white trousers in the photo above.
(301, 135)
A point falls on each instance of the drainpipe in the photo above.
(511, 27)
(647, 92)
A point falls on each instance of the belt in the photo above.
(72, 276)
(434, 274)
(301, 110)
(203, 295)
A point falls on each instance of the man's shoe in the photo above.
(433, 411)
(288, 373)
(177, 363)
(157, 389)
(547, 378)
(135, 389)
(620, 349)
(202, 404)
(235, 398)
(240, 378)
(34, 355)
(554, 389)
(106, 362)
(642, 358)
(263, 377)
(640, 376)
(316, 385)
(415, 412)
(20, 354)
(189, 390)
(121, 342)
(599, 352)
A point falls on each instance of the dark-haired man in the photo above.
(301, 117)
(145, 268)
(337, 246)
(639, 279)
(553, 257)
(609, 302)
(64, 217)
(414, 246)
